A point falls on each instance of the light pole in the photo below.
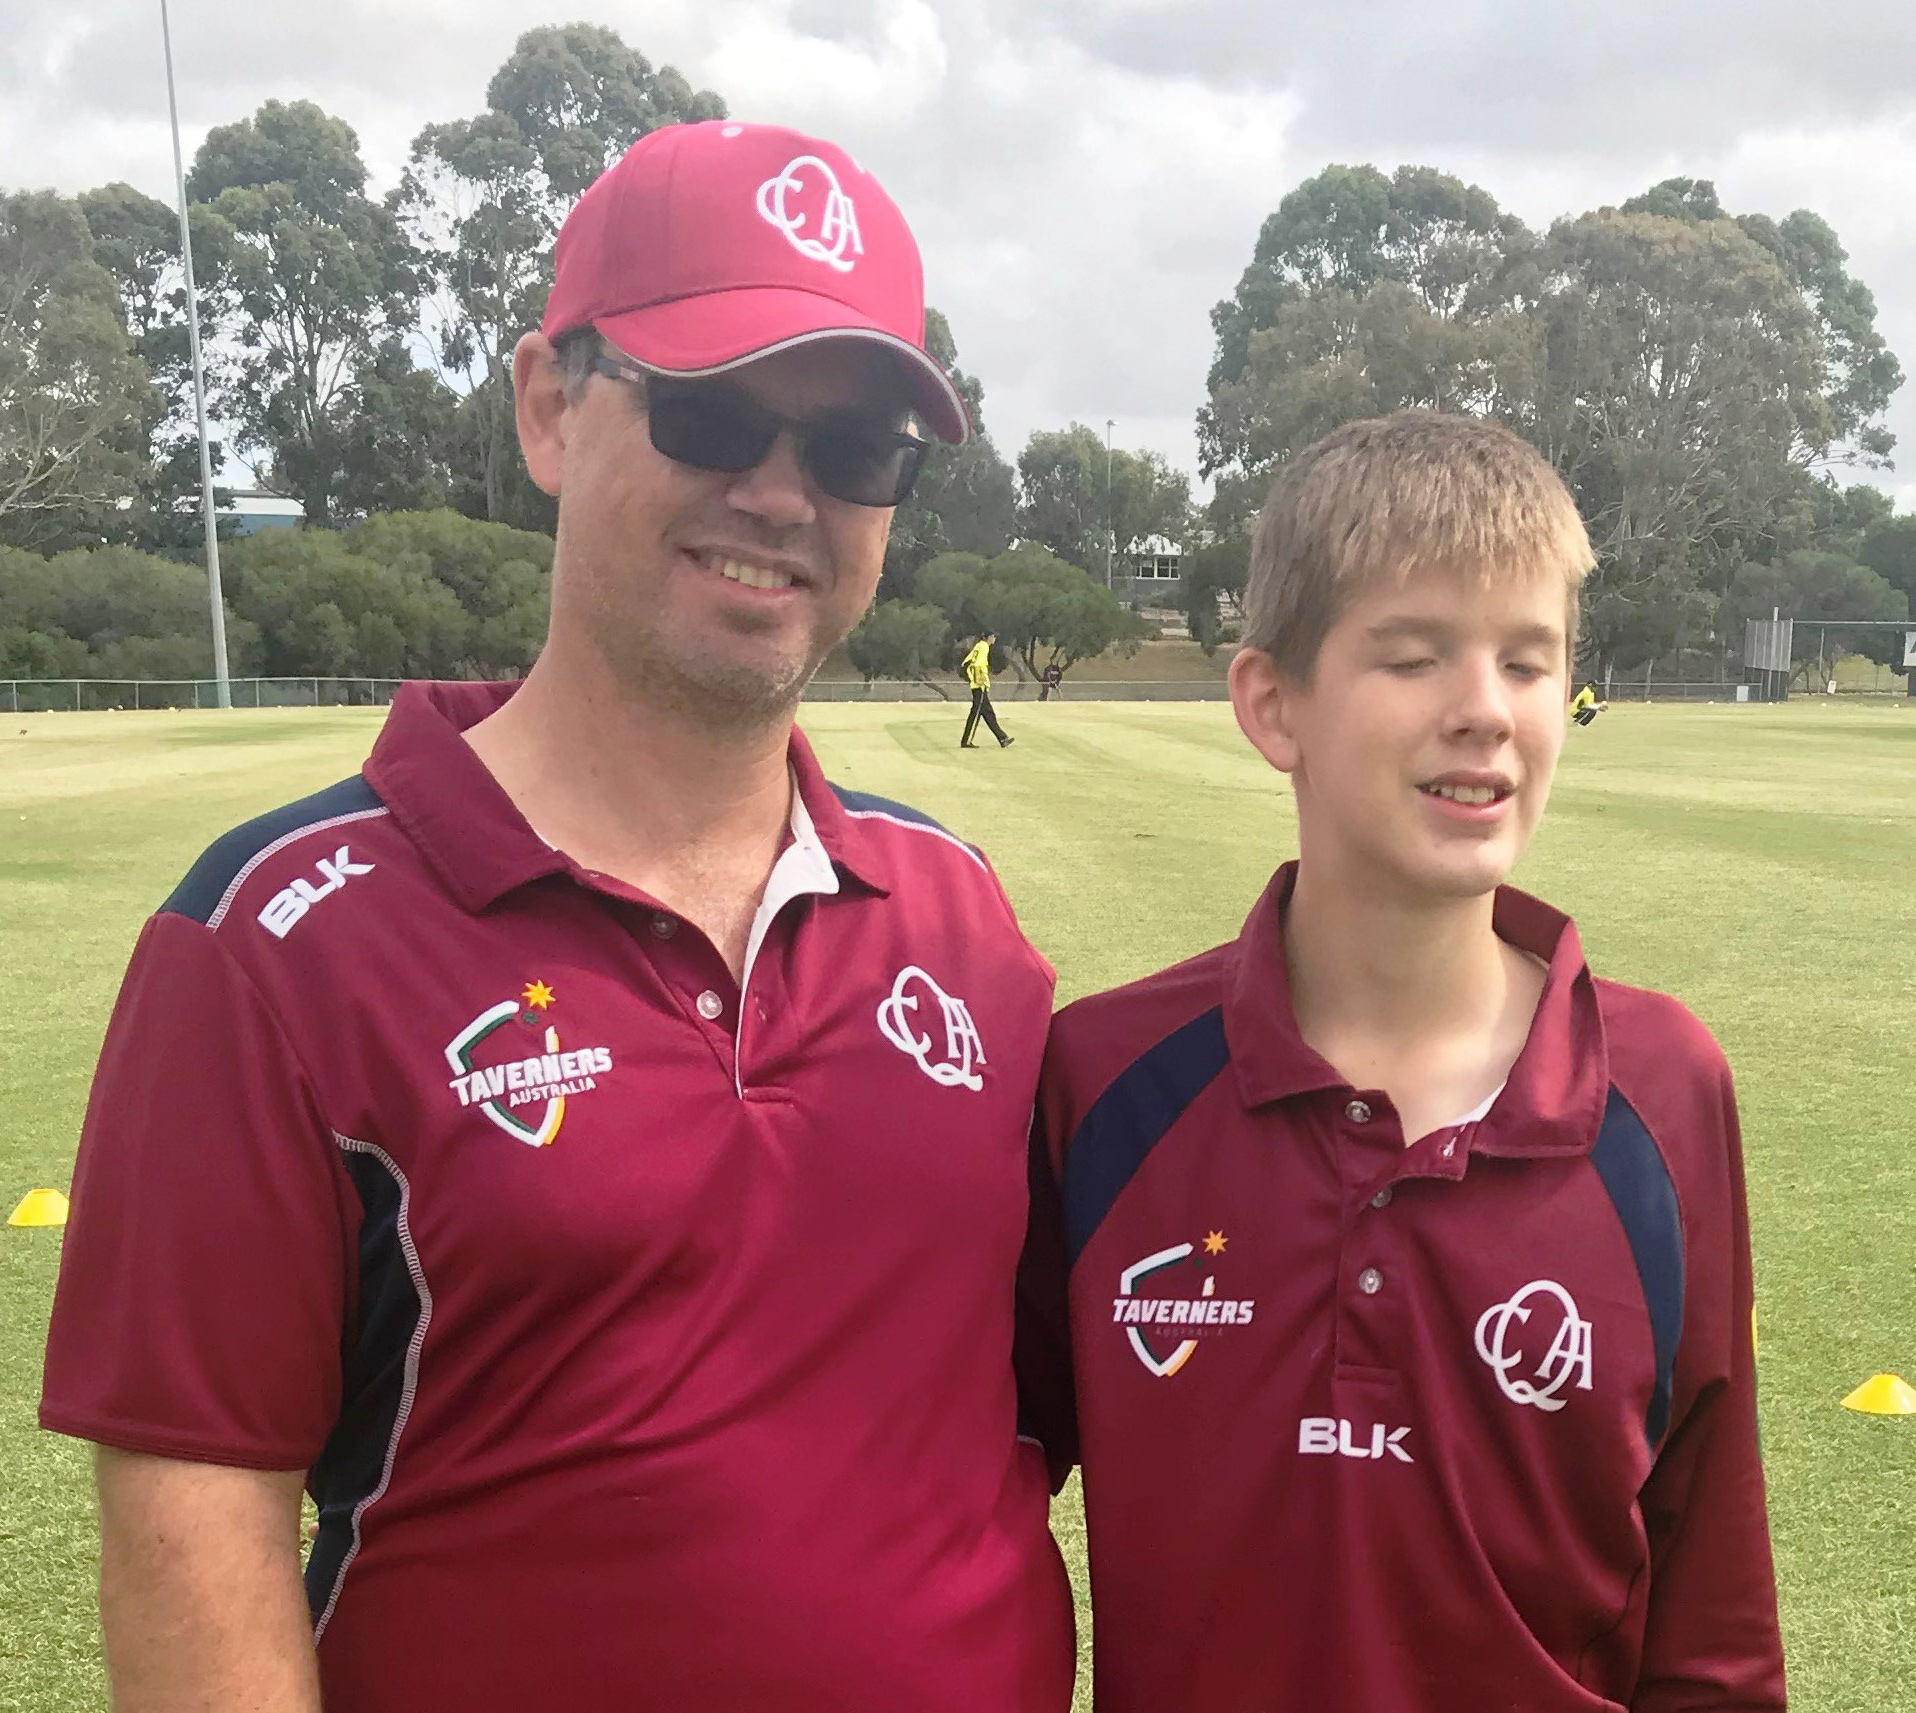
(224, 684)
(1110, 522)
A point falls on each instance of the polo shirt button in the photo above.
(664, 927)
(710, 1005)
(1370, 1281)
(1382, 1197)
(1357, 1112)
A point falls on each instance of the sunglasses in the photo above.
(851, 454)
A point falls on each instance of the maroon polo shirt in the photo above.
(1463, 1427)
(647, 1335)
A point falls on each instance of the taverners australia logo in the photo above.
(1168, 1306)
(523, 1092)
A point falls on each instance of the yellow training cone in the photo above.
(1883, 1395)
(40, 1207)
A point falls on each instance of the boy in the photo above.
(1398, 1266)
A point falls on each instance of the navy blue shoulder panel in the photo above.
(864, 803)
(199, 894)
(1632, 1168)
(391, 1304)
(1131, 1117)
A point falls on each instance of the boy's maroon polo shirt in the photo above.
(1464, 1427)
(648, 1340)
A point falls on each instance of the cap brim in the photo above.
(707, 335)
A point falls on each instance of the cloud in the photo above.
(1087, 177)
(766, 61)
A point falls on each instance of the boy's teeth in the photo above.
(755, 576)
(1470, 794)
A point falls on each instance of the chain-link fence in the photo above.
(1018, 690)
(99, 695)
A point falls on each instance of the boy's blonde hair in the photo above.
(1377, 501)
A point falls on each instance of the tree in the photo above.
(393, 434)
(966, 499)
(412, 595)
(481, 217)
(1860, 373)
(901, 639)
(137, 240)
(1889, 549)
(1680, 373)
(482, 200)
(1211, 584)
(74, 395)
(1077, 498)
(1841, 518)
(579, 98)
(317, 279)
(1808, 586)
(1365, 295)
(128, 615)
(1032, 600)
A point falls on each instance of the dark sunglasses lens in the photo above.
(868, 467)
(709, 429)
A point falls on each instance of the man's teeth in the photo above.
(755, 576)
(1473, 794)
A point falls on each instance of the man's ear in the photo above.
(1264, 699)
(539, 401)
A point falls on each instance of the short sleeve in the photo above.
(202, 1288)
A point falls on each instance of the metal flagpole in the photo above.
(1110, 522)
(199, 388)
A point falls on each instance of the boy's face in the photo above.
(1423, 748)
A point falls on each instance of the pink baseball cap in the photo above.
(705, 246)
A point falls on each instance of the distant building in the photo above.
(1149, 573)
(251, 510)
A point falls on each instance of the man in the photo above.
(1402, 1263)
(586, 1150)
(978, 675)
(1584, 706)
(1052, 682)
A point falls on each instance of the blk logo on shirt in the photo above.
(1332, 1436)
(1147, 1314)
(934, 1029)
(286, 907)
(1506, 1340)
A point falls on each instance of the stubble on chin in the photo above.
(701, 685)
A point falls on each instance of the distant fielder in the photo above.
(978, 676)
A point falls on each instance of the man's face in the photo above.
(1423, 749)
(718, 593)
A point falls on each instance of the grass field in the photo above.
(1757, 861)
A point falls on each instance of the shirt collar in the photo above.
(475, 839)
(1554, 1099)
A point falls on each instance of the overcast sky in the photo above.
(1087, 177)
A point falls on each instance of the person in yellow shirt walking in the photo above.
(978, 676)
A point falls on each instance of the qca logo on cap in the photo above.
(914, 1016)
(1499, 1343)
(807, 183)
(512, 1082)
(1198, 1316)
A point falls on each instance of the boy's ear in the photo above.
(1261, 697)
